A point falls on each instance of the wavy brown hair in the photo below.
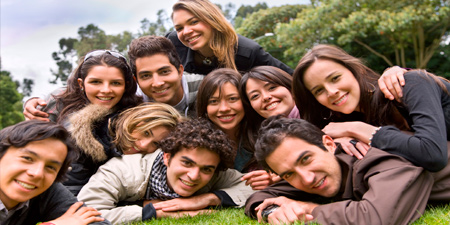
(224, 37)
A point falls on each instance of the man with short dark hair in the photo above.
(34, 157)
(188, 174)
(381, 188)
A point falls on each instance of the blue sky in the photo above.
(30, 29)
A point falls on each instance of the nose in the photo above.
(224, 106)
(187, 30)
(306, 176)
(157, 81)
(143, 144)
(106, 88)
(36, 170)
(266, 96)
(194, 173)
(331, 90)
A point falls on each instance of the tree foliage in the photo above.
(259, 25)
(11, 99)
(411, 30)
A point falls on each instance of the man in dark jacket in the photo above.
(381, 188)
(34, 155)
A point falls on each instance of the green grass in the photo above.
(432, 216)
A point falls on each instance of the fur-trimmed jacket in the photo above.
(89, 129)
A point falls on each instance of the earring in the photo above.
(82, 89)
(373, 88)
(329, 116)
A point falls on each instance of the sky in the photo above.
(30, 29)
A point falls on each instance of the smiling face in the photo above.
(28, 171)
(333, 86)
(269, 99)
(225, 109)
(190, 169)
(159, 79)
(103, 85)
(192, 32)
(307, 167)
(147, 141)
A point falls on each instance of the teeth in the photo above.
(187, 183)
(340, 100)
(271, 106)
(161, 91)
(105, 99)
(226, 117)
(193, 39)
(320, 183)
(27, 186)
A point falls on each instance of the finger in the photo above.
(74, 207)
(172, 208)
(385, 90)
(93, 219)
(395, 87)
(263, 183)
(361, 148)
(346, 149)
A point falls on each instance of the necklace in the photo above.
(206, 60)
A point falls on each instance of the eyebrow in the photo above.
(326, 78)
(192, 161)
(31, 152)
(265, 85)
(296, 161)
(187, 21)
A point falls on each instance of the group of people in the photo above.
(205, 117)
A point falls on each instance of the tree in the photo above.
(11, 110)
(160, 27)
(27, 87)
(246, 10)
(265, 21)
(64, 58)
(412, 30)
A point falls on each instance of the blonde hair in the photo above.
(224, 39)
(141, 118)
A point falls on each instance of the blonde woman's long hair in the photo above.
(142, 118)
(224, 39)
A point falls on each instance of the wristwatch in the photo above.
(268, 210)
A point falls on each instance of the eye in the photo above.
(146, 133)
(273, 87)
(52, 168)
(145, 76)
(318, 91)
(208, 170)
(27, 158)
(234, 99)
(212, 102)
(305, 159)
(194, 22)
(287, 175)
(186, 163)
(254, 97)
(165, 72)
(335, 78)
(95, 82)
(178, 29)
(117, 83)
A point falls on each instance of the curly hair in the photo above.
(21, 134)
(200, 133)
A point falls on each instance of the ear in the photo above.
(180, 70)
(329, 144)
(166, 158)
(80, 82)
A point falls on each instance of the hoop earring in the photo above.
(329, 116)
(373, 88)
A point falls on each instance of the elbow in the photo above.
(436, 164)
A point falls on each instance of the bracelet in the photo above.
(373, 133)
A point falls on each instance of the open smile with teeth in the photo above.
(26, 186)
(105, 98)
(272, 105)
(228, 117)
(187, 183)
(161, 91)
(193, 39)
(341, 99)
(320, 183)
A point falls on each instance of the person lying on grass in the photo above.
(34, 157)
(186, 175)
(381, 188)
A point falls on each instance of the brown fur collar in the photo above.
(81, 127)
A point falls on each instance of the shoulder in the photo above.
(247, 42)
(127, 166)
(378, 160)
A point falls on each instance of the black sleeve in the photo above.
(428, 146)
(225, 199)
(148, 212)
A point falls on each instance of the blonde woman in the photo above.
(139, 129)
(205, 40)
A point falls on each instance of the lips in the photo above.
(272, 106)
(26, 186)
(193, 39)
(105, 98)
(162, 91)
(341, 100)
(320, 183)
(187, 183)
(226, 118)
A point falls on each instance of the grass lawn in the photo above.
(433, 215)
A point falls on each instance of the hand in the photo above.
(78, 214)
(162, 214)
(260, 179)
(359, 150)
(192, 203)
(288, 212)
(31, 113)
(354, 129)
(390, 82)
